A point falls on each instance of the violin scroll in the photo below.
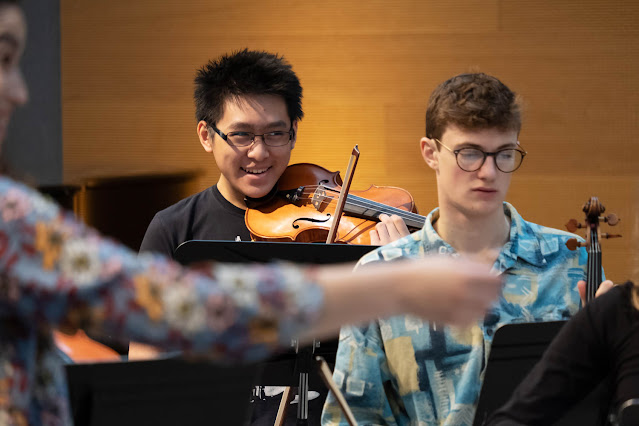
(593, 210)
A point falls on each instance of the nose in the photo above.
(258, 150)
(489, 169)
(15, 88)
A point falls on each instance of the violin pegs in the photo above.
(612, 219)
(572, 244)
(608, 236)
(573, 225)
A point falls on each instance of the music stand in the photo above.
(161, 392)
(296, 369)
(264, 251)
(516, 348)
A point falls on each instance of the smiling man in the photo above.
(403, 370)
(248, 105)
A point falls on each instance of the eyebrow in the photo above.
(241, 124)
(474, 145)
(10, 39)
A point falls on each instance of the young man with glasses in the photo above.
(402, 370)
(248, 105)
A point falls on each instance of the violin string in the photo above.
(594, 276)
(372, 205)
(364, 203)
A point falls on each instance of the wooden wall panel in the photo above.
(367, 69)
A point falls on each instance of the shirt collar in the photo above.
(523, 242)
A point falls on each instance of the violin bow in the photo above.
(339, 209)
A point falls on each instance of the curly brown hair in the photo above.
(472, 102)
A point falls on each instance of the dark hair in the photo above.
(472, 102)
(242, 73)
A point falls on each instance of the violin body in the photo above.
(303, 209)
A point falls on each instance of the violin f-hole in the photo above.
(310, 219)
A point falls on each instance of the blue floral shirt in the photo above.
(405, 371)
(56, 272)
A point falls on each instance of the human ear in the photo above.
(429, 152)
(206, 138)
(294, 136)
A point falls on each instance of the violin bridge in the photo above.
(319, 197)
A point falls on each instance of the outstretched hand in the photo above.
(437, 288)
(447, 290)
(604, 287)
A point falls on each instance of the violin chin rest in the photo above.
(253, 203)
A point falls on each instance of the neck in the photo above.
(230, 194)
(480, 237)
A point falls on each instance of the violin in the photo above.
(593, 210)
(303, 205)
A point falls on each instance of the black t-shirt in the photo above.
(600, 340)
(204, 216)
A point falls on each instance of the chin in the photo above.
(257, 192)
(481, 208)
(489, 208)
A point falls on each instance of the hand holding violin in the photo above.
(603, 287)
(389, 229)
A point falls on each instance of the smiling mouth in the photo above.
(255, 171)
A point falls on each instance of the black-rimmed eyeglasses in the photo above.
(469, 159)
(274, 138)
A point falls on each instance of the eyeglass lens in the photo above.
(471, 159)
(277, 138)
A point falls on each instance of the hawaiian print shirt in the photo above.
(405, 371)
(56, 272)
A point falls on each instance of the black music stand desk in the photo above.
(165, 392)
(515, 350)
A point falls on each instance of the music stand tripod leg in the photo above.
(304, 360)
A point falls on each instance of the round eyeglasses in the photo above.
(507, 160)
(240, 139)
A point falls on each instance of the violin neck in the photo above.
(594, 274)
(367, 209)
